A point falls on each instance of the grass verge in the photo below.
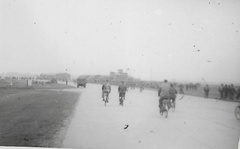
(34, 118)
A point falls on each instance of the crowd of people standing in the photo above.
(229, 92)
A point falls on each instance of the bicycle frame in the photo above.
(166, 104)
(121, 100)
(105, 97)
(165, 107)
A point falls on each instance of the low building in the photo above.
(112, 74)
(120, 71)
(62, 76)
(46, 76)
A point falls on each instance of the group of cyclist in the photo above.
(106, 89)
(166, 91)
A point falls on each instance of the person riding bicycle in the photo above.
(163, 93)
(106, 89)
(172, 93)
(122, 91)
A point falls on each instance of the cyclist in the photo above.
(106, 89)
(172, 94)
(163, 93)
(122, 91)
(181, 89)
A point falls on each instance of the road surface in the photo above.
(196, 123)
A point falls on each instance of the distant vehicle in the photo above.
(81, 82)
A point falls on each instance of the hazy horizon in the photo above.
(195, 41)
(74, 76)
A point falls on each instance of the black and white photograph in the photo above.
(120, 74)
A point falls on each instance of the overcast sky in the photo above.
(192, 40)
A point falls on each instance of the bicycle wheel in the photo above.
(105, 99)
(173, 106)
(237, 112)
(166, 110)
(121, 101)
(161, 109)
(161, 112)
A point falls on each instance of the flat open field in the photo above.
(5, 83)
(35, 118)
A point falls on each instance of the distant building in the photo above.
(112, 74)
(115, 78)
(119, 75)
(19, 75)
(120, 71)
(46, 76)
(62, 76)
(124, 74)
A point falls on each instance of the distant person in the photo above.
(229, 92)
(225, 92)
(195, 87)
(181, 89)
(232, 92)
(238, 93)
(172, 94)
(163, 93)
(206, 91)
(122, 91)
(106, 89)
(220, 89)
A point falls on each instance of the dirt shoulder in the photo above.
(51, 86)
(30, 117)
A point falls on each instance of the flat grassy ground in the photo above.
(5, 83)
(51, 86)
(36, 118)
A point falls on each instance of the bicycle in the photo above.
(171, 105)
(122, 98)
(165, 107)
(105, 98)
(237, 112)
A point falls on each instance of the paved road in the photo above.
(197, 123)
